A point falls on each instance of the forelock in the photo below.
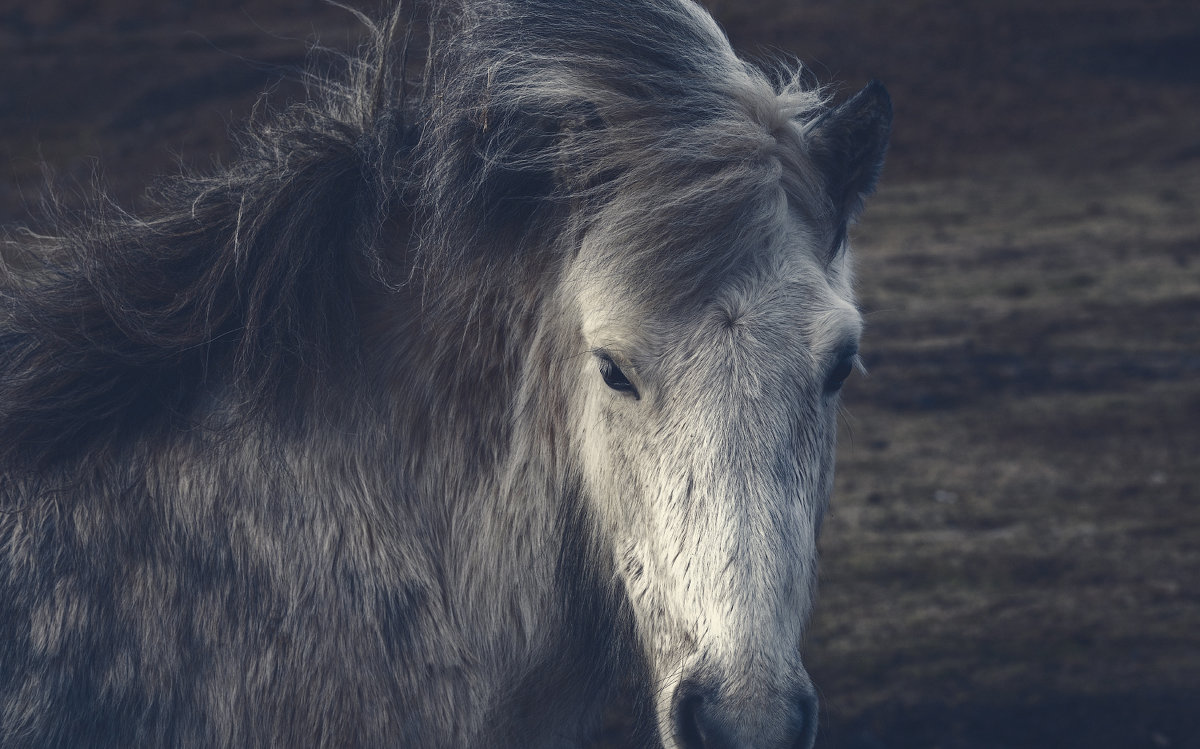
(637, 117)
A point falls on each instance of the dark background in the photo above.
(1013, 556)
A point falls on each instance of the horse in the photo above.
(493, 384)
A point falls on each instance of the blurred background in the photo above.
(1013, 555)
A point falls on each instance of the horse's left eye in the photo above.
(614, 377)
(839, 374)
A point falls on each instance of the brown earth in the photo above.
(1013, 557)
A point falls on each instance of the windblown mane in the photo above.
(243, 279)
(526, 123)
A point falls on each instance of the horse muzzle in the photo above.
(704, 717)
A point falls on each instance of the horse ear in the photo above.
(848, 144)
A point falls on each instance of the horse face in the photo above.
(707, 439)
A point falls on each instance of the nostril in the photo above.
(807, 708)
(687, 728)
(703, 720)
(697, 721)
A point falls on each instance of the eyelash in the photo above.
(613, 376)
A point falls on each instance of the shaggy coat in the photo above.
(368, 439)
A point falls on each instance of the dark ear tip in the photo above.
(876, 89)
(876, 98)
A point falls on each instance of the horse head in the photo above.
(713, 298)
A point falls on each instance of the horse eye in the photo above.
(839, 374)
(614, 377)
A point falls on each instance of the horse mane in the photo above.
(532, 122)
(241, 279)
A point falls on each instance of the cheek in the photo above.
(620, 467)
(595, 422)
(601, 452)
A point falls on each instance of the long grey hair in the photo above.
(494, 381)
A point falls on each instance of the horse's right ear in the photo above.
(847, 144)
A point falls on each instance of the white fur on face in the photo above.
(712, 483)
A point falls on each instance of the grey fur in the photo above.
(318, 453)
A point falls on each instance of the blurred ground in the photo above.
(1013, 558)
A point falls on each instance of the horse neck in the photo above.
(478, 443)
